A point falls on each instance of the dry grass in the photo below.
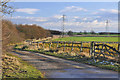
(14, 67)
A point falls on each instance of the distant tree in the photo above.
(54, 32)
(79, 33)
(70, 33)
(92, 32)
(33, 31)
(85, 32)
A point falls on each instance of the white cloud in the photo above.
(40, 20)
(58, 16)
(81, 26)
(75, 23)
(33, 19)
(76, 17)
(73, 9)
(114, 11)
(27, 10)
(94, 13)
(95, 21)
(84, 19)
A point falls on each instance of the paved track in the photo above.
(59, 68)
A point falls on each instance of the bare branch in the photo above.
(5, 8)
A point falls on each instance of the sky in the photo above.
(66, 0)
(79, 16)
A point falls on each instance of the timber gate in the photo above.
(96, 49)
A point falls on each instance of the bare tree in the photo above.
(5, 8)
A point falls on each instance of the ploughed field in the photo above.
(101, 39)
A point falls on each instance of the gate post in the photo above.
(91, 48)
(72, 46)
(64, 46)
(50, 46)
(34, 46)
(118, 46)
(81, 49)
(57, 44)
(37, 44)
(43, 45)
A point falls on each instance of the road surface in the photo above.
(59, 68)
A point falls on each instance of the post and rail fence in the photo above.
(95, 48)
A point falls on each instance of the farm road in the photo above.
(59, 68)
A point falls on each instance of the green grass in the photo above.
(102, 39)
(18, 69)
(111, 35)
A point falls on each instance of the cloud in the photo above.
(109, 10)
(58, 16)
(74, 23)
(114, 11)
(27, 10)
(73, 9)
(104, 14)
(84, 19)
(106, 11)
(41, 20)
(76, 17)
(81, 26)
(29, 19)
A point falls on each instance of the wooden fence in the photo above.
(98, 49)
(95, 48)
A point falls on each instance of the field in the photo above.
(102, 39)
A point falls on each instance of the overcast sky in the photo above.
(80, 16)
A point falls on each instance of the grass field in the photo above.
(103, 39)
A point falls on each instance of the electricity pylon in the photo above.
(63, 27)
(107, 22)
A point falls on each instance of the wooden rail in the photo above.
(95, 48)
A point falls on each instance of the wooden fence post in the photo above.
(57, 44)
(72, 46)
(91, 48)
(118, 46)
(119, 51)
(37, 44)
(64, 47)
(43, 45)
(81, 49)
(50, 45)
(34, 46)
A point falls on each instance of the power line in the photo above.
(107, 22)
(63, 27)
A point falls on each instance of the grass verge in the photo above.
(15, 68)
